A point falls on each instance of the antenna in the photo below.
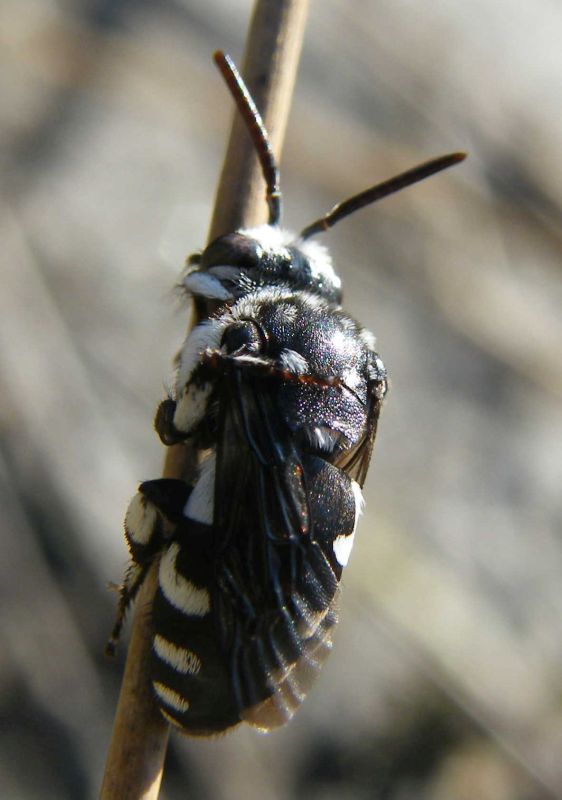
(257, 131)
(379, 191)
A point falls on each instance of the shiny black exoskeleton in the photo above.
(277, 394)
(280, 394)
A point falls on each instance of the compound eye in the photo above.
(232, 250)
(244, 337)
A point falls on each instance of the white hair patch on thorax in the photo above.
(245, 307)
(275, 239)
(205, 336)
(320, 261)
(179, 658)
(293, 362)
(177, 590)
(288, 312)
(352, 378)
(321, 437)
(343, 544)
(200, 505)
(270, 237)
(368, 338)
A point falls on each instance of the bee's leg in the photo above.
(150, 522)
(178, 420)
(164, 423)
(178, 417)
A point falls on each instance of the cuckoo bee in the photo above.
(278, 392)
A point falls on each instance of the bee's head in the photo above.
(237, 263)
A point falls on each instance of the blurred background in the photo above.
(445, 682)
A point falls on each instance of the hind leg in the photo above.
(150, 523)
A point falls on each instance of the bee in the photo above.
(278, 393)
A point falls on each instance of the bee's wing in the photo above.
(356, 462)
(291, 686)
(276, 577)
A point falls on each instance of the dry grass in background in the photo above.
(445, 681)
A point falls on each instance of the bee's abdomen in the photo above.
(189, 675)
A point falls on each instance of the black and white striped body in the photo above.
(278, 393)
(192, 673)
(277, 396)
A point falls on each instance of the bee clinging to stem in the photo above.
(278, 393)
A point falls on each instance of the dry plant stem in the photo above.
(138, 746)
(140, 733)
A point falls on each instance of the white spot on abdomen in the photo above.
(181, 659)
(172, 699)
(140, 519)
(342, 548)
(344, 543)
(180, 592)
(359, 502)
